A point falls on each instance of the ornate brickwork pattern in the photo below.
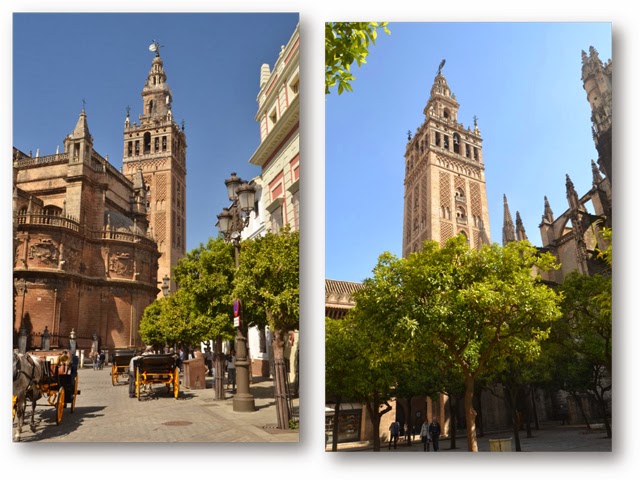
(476, 239)
(459, 183)
(424, 209)
(408, 219)
(161, 186)
(445, 190)
(476, 202)
(446, 232)
(160, 227)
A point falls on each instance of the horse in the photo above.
(27, 373)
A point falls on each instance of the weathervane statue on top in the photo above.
(439, 68)
(155, 47)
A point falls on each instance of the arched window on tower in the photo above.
(446, 142)
(150, 107)
(461, 215)
(147, 143)
(460, 194)
(438, 139)
(464, 234)
(468, 150)
(456, 143)
(445, 113)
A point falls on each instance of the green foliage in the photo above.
(267, 280)
(294, 424)
(480, 305)
(345, 43)
(201, 308)
(587, 312)
(205, 276)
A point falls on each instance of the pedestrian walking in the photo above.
(564, 413)
(434, 433)
(394, 433)
(102, 359)
(231, 370)
(208, 359)
(424, 435)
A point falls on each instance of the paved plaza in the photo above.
(105, 413)
(552, 437)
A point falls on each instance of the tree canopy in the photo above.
(345, 43)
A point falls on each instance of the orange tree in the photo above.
(478, 306)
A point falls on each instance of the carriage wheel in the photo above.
(176, 382)
(60, 406)
(75, 394)
(51, 397)
(114, 374)
(138, 384)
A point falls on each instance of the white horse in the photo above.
(27, 373)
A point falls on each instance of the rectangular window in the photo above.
(137, 147)
(129, 149)
(156, 145)
(276, 220)
(295, 201)
(164, 144)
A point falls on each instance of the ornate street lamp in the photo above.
(231, 222)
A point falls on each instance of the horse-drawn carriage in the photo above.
(53, 375)
(120, 364)
(160, 368)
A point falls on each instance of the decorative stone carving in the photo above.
(121, 264)
(45, 251)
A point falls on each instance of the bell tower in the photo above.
(444, 187)
(155, 149)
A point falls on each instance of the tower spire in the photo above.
(572, 195)
(508, 230)
(520, 233)
(548, 213)
(597, 178)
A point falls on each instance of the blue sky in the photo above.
(212, 63)
(522, 80)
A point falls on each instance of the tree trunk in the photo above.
(603, 410)
(527, 411)
(470, 415)
(409, 421)
(579, 404)
(280, 378)
(336, 417)
(372, 407)
(218, 379)
(533, 407)
(511, 399)
(477, 395)
(453, 427)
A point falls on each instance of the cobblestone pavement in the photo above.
(551, 437)
(105, 413)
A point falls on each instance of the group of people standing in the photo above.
(429, 434)
(229, 366)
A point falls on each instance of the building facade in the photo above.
(156, 148)
(278, 185)
(90, 241)
(444, 186)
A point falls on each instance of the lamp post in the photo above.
(165, 293)
(231, 222)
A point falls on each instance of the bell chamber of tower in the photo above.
(155, 148)
(444, 187)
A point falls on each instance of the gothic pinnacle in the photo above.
(508, 230)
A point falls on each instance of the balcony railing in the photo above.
(70, 223)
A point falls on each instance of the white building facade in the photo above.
(278, 188)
